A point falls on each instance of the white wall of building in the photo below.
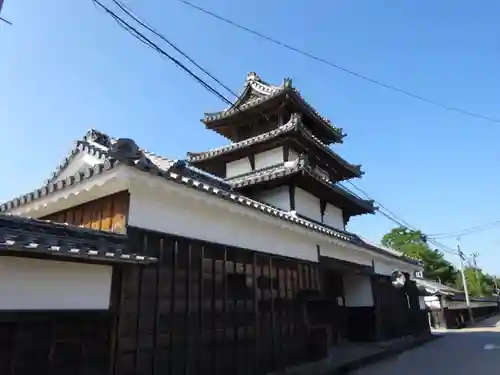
(293, 155)
(432, 302)
(237, 167)
(357, 290)
(333, 217)
(388, 266)
(172, 208)
(307, 205)
(268, 158)
(184, 216)
(421, 302)
(34, 284)
(262, 160)
(278, 197)
(80, 163)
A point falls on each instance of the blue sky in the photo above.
(66, 67)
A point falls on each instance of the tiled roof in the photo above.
(182, 173)
(271, 172)
(266, 92)
(80, 145)
(289, 168)
(25, 236)
(433, 287)
(294, 124)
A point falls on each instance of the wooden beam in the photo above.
(322, 207)
(291, 193)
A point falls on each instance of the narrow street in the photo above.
(460, 352)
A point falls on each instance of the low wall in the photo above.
(459, 318)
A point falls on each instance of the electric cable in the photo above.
(341, 68)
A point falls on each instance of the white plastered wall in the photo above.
(172, 208)
(333, 217)
(80, 163)
(357, 290)
(293, 155)
(237, 167)
(269, 157)
(278, 197)
(179, 214)
(34, 284)
(307, 205)
(432, 302)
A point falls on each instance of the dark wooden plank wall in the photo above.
(398, 310)
(210, 309)
(458, 318)
(107, 213)
(54, 342)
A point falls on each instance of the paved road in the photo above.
(471, 351)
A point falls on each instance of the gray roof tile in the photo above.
(182, 173)
(25, 236)
(289, 168)
(265, 93)
(294, 124)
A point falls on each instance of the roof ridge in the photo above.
(178, 177)
(268, 91)
(79, 146)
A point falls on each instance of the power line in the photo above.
(389, 214)
(467, 231)
(134, 32)
(144, 24)
(341, 68)
(139, 36)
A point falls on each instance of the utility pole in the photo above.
(496, 290)
(464, 281)
(476, 270)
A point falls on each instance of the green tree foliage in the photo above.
(436, 267)
(414, 244)
(479, 283)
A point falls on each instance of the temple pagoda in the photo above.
(280, 154)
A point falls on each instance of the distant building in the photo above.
(447, 306)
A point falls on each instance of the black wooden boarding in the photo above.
(398, 310)
(211, 309)
(54, 342)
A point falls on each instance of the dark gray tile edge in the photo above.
(283, 129)
(112, 256)
(26, 220)
(53, 187)
(22, 236)
(172, 174)
(281, 170)
(80, 146)
(269, 92)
